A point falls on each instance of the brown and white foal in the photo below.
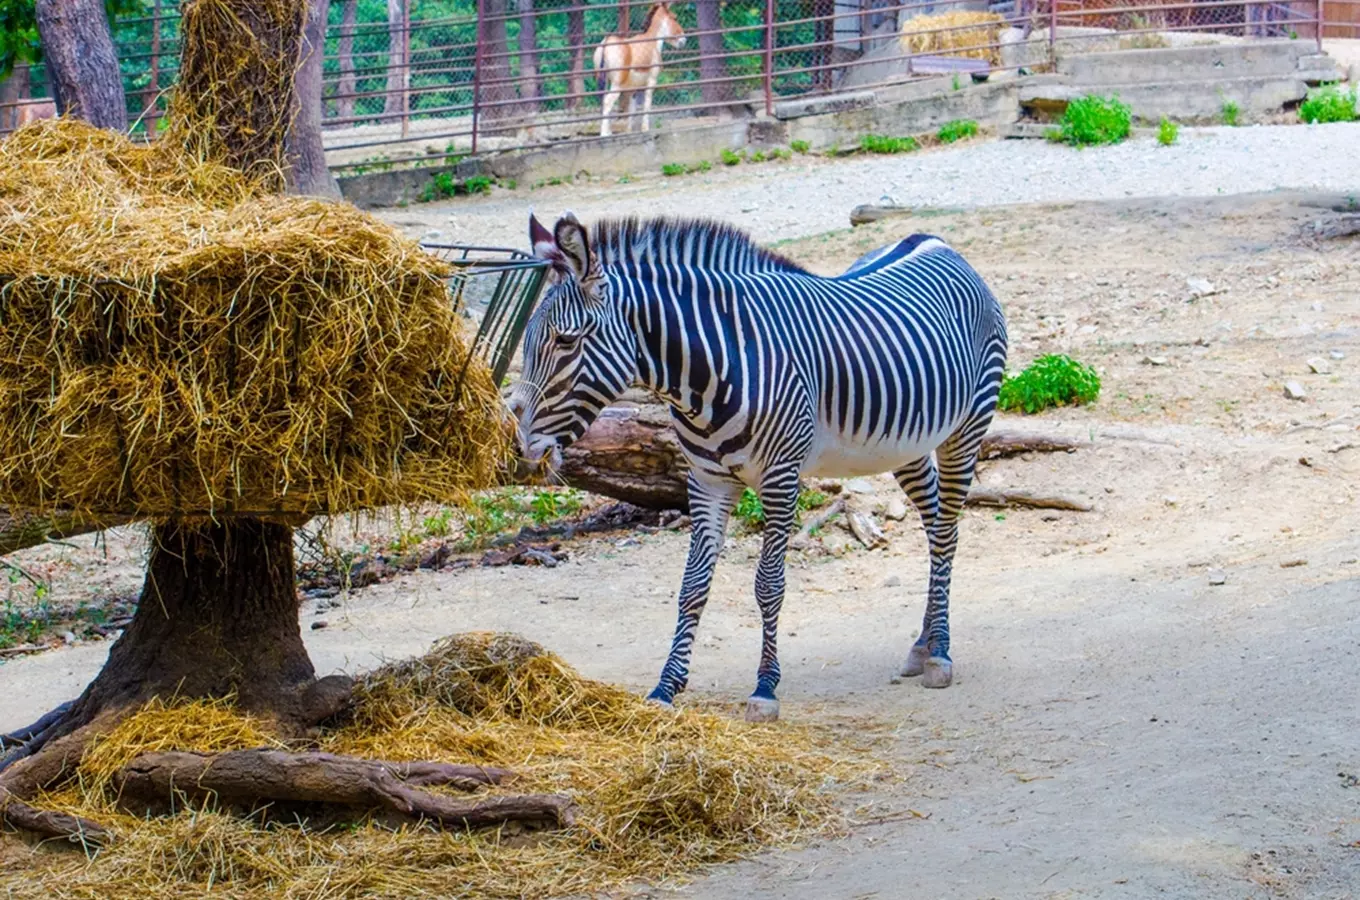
(629, 66)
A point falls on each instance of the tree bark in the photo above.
(576, 39)
(344, 103)
(497, 87)
(530, 86)
(81, 63)
(307, 171)
(398, 58)
(712, 64)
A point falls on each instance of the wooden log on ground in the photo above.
(250, 778)
(17, 814)
(1021, 497)
(867, 213)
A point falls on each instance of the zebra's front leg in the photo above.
(779, 498)
(710, 505)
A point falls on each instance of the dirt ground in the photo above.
(1119, 726)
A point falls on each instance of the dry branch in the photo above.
(251, 777)
(1022, 497)
(21, 532)
(867, 213)
(18, 814)
(998, 444)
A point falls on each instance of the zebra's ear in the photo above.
(575, 246)
(540, 239)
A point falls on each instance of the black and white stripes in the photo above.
(772, 373)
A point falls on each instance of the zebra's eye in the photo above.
(567, 341)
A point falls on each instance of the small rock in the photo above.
(1155, 360)
(1294, 391)
(319, 624)
(1200, 287)
(68, 637)
(1292, 563)
(1306, 461)
(752, 208)
(1336, 354)
(859, 486)
(896, 509)
(1320, 366)
(1217, 577)
(1171, 500)
(891, 581)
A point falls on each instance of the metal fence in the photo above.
(454, 77)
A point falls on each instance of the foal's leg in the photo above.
(611, 98)
(779, 497)
(710, 505)
(647, 100)
(938, 493)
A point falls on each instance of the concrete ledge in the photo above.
(987, 104)
(1179, 99)
(819, 106)
(1258, 59)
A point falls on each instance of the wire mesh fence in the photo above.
(448, 78)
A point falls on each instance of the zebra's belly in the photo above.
(836, 455)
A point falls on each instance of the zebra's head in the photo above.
(579, 351)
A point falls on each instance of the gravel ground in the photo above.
(779, 201)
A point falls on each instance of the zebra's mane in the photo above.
(702, 243)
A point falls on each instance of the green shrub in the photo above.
(477, 184)
(880, 143)
(800, 146)
(703, 166)
(956, 131)
(1094, 120)
(1231, 111)
(751, 512)
(670, 170)
(732, 157)
(781, 153)
(1328, 103)
(1167, 132)
(1052, 380)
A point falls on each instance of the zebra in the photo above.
(772, 373)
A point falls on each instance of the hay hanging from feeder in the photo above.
(175, 341)
(948, 34)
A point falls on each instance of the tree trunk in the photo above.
(711, 62)
(218, 615)
(530, 86)
(625, 26)
(497, 87)
(576, 39)
(307, 171)
(347, 86)
(81, 63)
(13, 90)
(398, 57)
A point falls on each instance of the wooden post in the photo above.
(406, 68)
(769, 57)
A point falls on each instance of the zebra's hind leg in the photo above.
(779, 498)
(710, 505)
(938, 488)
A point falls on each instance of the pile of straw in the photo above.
(966, 34)
(174, 340)
(660, 792)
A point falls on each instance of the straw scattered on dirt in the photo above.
(949, 34)
(660, 792)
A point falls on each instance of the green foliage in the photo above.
(1094, 120)
(879, 143)
(732, 157)
(548, 506)
(751, 512)
(1167, 132)
(443, 185)
(477, 184)
(671, 170)
(800, 146)
(1328, 103)
(1230, 111)
(496, 512)
(1052, 380)
(703, 166)
(781, 153)
(19, 30)
(758, 156)
(957, 130)
(957, 83)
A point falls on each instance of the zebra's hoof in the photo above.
(762, 709)
(938, 673)
(916, 661)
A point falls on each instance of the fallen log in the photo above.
(250, 779)
(19, 815)
(867, 213)
(23, 531)
(1021, 497)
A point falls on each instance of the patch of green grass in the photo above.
(625, 179)
(800, 146)
(671, 170)
(510, 184)
(957, 130)
(1230, 112)
(781, 153)
(1328, 103)
(441, 186)
(1093, 120)
(957, 83)
(477, 184)
(548, 505)
(703, 166)
(1052, 380)
(881, 143)
(732, 157)
(750, 512)
(758, 157)
(1167, 132)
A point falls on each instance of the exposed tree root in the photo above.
(251, 778)
(1021, 497)
(18, 814)
(1013, 443)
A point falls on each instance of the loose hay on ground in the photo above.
(974, 35)
(173, 340)
(660, 792)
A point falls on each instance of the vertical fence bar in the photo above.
(1321, 18)
(769, 57)
(405, 68)
(153, 87)
(477, 73)
(1053, 33)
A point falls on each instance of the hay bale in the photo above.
(175, 341)
(660, 792)
(962, 33)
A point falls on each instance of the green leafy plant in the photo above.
(758, 156)
(548, 506)
(703, 166)
(880, 143)
(751, 512)
(441, 186)
(1092, 120)
(957, 130)
(1230, 112)
(625, 179)
(957, 83)
(477, 184)
(671, 170)
(1167, 132)
(732, 157)
(1328, 103)
(1052, 380)
(800, 146)
(781, 153)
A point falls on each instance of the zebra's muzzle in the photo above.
(541, 452)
